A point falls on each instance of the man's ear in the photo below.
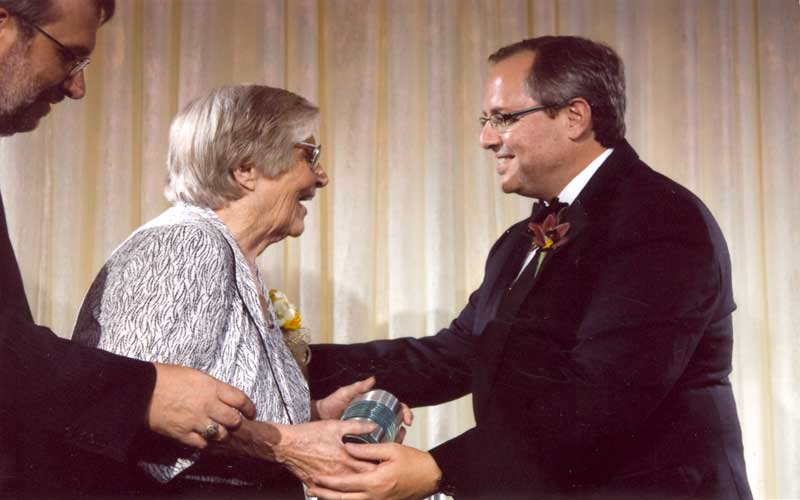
(579, 118)
(8, 31)
(5, 20)
(245, 175)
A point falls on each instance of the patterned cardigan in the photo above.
(180, 291)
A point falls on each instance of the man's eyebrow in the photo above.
(79, 50)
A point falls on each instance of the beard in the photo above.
(24, 97)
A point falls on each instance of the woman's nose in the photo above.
(322, 176)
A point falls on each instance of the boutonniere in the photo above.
(291, 325)
(548, 236)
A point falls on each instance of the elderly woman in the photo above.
(185, 289)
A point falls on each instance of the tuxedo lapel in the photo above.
(598, 194)
(522, 245)
(576, 216)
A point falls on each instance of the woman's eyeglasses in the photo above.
(312, 153)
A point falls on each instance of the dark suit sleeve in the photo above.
(54, 389)
(419, 372)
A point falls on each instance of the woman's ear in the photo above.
(245, 175)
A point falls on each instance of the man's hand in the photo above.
(403, 473)
(309, 449)
(185, 402)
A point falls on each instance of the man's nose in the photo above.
(74, 86)
(490, 138)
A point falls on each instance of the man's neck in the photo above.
(582, 157)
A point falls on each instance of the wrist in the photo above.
(282, 443)
(154, 394)
(436, 476)
(260, 440)
(443, 483)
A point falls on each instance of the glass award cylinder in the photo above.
(379, 407)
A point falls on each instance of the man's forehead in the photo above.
(75, 24)
(506, 83)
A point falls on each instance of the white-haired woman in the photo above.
(185, 289)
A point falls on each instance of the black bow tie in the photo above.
(540, 211)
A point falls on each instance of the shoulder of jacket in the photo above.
(185, 241)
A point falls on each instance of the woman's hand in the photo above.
(316, 449)
(333, 406)
(307, 450)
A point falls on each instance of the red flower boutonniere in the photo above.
(549, 236)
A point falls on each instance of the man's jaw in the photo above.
(53, 95)
(27, 118)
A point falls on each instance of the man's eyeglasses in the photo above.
(76, 63)
(503, 121)
(312, 153)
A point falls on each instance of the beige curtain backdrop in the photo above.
(397, 241)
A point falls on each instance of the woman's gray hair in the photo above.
(232, 126)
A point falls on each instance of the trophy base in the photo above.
(358, 439)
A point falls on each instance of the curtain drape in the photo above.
(396, 242)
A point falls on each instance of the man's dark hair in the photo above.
(41, 12)
(566, 67)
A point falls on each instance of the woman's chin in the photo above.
(297, 228)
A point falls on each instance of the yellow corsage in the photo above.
(291, 325)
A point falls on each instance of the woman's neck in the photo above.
(244, 226)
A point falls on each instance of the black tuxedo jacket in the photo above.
(69, 414)
(606, 374)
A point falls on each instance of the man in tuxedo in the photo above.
(64, 406)
(598, 346)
